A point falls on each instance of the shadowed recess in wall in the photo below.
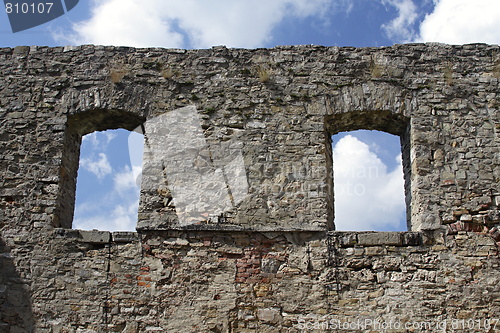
(16, 314)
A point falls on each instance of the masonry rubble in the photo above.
(264, 256)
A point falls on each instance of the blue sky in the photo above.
(107, 185)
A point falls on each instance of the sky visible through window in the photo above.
(368, 182)
(108, 183)
(249, 24)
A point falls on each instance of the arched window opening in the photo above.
(359, 186)
(110, 153)
(368, 182)
(108, 182)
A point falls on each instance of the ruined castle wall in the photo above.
(270, 262)
(273, 282)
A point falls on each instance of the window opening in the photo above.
(368, 177)
(108, 181)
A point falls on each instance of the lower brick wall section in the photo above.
(274, 282)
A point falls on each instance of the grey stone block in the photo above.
(124, 236)
(95, 236)
(380, 238)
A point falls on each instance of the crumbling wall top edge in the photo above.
(25, 49)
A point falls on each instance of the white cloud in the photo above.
(121, 217)
(109, 135)
(367, 195)
(462, 21)
(100, 167)
(91, 138)
(99, 140)
(114, 210)
(125, 181)
(125, 23)
(400, 27)
(188, 23)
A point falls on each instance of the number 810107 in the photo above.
(28, 8)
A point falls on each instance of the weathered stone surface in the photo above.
(380, 238)
(95, 236)
(124, 237)
(270, 263)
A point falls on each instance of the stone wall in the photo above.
(270, 260)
